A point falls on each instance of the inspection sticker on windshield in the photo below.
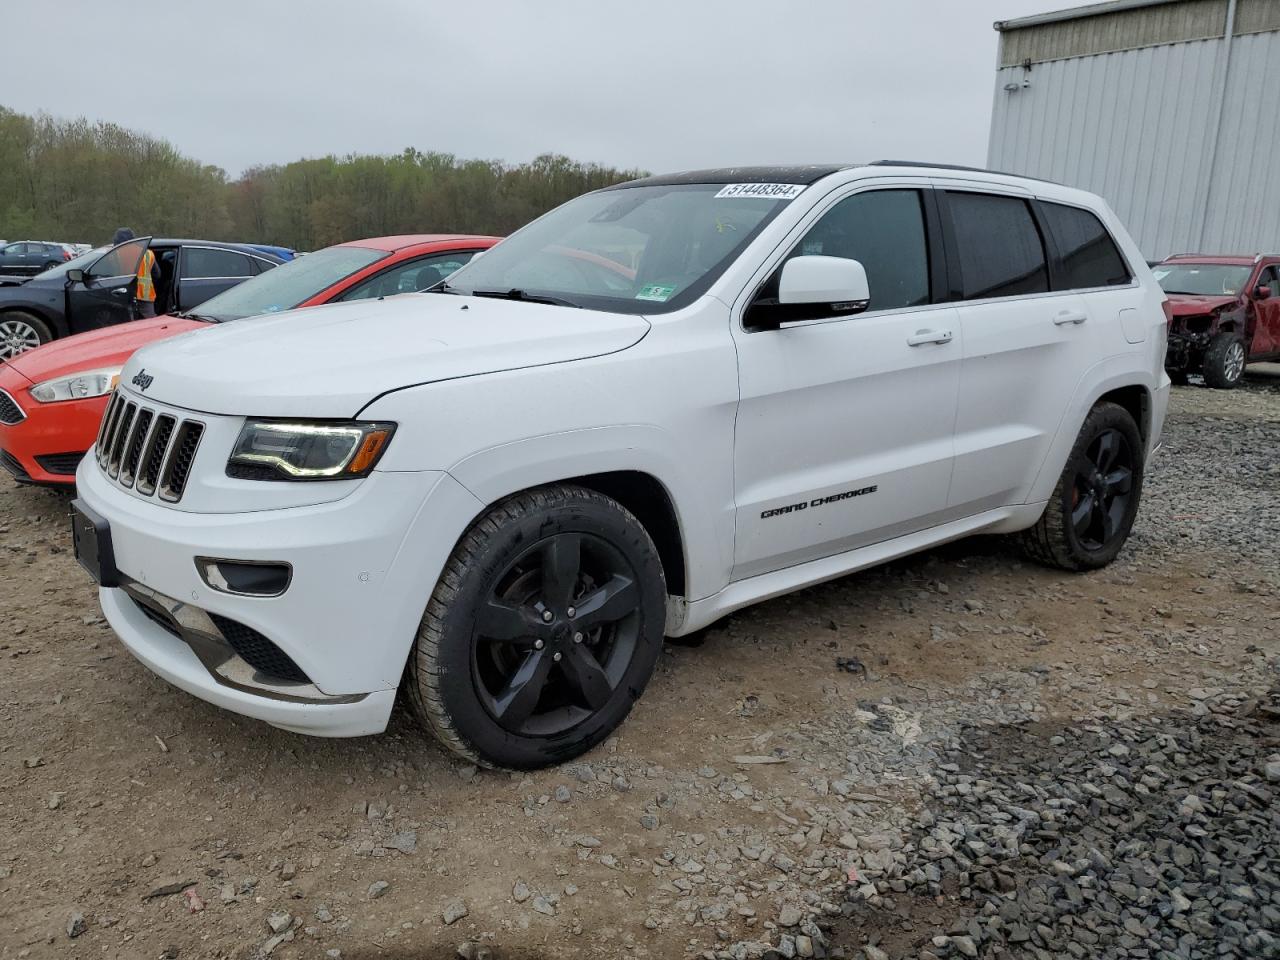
(761, 191)
(655, 291)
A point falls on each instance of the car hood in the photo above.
(108, 347)
(1187, 305)
(12, 280)
(330, 361)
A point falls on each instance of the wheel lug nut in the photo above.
(547, 616)
(577, 638)
(538, 644)
(571, 611)
(556, 658)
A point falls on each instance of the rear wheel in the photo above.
(50, 265)
(1091, 512)
(542, 632)
(21, 331)
(1224, 361)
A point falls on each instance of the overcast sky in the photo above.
(655, 84)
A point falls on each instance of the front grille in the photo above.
(257, 651)
(12, 464)
(62, 464)
(148, 451)
(10, 412)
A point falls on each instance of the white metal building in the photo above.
(1170, 109)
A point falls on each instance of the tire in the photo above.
(21, 331)
(1092, 509)
(486, 629)
(1224, 361)
(50, 265)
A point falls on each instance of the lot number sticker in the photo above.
(655, 291)
(761, 191)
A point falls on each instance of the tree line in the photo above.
(76, 181)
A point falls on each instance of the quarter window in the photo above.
(1000, 249)
(884, 231)
(204, 263)
(1089, 255)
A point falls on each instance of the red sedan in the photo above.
(52, 398)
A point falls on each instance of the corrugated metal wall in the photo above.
(1136, 127)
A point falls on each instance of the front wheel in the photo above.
(1224, 361)
(21, 331)
(542, 631)
(1093, 506)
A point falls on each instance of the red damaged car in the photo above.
(52, 397)
(1226, 313)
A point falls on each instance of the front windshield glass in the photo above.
(286, 286)
(79, 263)
(1202, 279)
(644, 249)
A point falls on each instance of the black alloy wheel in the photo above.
(542, 630)
(556, 634)
(1101, 491)
(1087, 519)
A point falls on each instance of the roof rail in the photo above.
(957, 166)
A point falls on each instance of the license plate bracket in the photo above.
(91, 537)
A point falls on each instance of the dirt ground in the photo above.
(115, 786)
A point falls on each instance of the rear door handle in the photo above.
(1070, 316)
(928, 336)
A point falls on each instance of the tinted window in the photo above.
(410, 277)
(122, 261)
(1089, 255)
(1001, 253)
(205, 262)
(884, 231)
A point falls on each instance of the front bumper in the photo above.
(47, 444)
(363, 569)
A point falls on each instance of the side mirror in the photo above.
(76, 275)
(813, 288)
(1263, 292)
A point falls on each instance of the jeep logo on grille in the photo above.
(142, 380)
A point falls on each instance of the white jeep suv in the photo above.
(655, 405)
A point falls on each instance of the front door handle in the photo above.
(928, 336)
(1070, 316)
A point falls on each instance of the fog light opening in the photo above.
(245, 578)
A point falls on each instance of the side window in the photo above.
(121, 261)
(260, 265)
(206, 263)
(1000, 249)
(884, 230)
(1090, 257)
(1271, 278)
(409, 277)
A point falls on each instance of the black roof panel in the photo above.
(805, 174)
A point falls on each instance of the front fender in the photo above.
(509, 468)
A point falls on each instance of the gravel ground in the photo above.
(961, 754)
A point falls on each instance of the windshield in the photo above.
(645, 249)
(1202, 279)
(79, 263)
(289, 284)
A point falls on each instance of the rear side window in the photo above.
(205, 263)
(1090, 257)
(1000, 249)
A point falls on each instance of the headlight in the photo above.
(308, 449)
(78, 386)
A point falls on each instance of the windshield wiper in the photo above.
(517, 294)
(202, 317)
